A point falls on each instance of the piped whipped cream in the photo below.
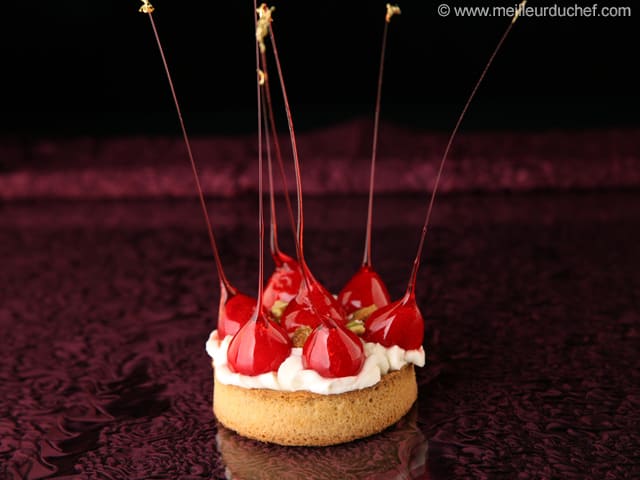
(292, 376)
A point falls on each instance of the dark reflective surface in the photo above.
(399, 452)
(533, 324)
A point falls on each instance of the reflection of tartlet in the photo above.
(306, 418)
(399, 452)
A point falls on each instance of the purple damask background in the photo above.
(531, 301)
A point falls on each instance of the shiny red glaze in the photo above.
(399, 323)
(284, 282)
(312, 302)
(364, 289)
(234, 312)
(299, 314)
(260, 346)
(333, 351)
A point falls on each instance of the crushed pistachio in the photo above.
(356, 326)
(300, 336)
(277, 309)
(364, 313)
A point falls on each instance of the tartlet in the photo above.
(303, 418)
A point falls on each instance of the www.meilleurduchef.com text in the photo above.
(535, 11)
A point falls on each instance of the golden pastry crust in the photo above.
(310, 419)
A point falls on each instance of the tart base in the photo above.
(310, 419)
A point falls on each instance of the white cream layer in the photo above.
(291, 375)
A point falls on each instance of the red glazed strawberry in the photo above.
(333, 351)
(364, 289)
(234, 312)
(284, 282)
(399, 323)
(312, 302)
(260, 346)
